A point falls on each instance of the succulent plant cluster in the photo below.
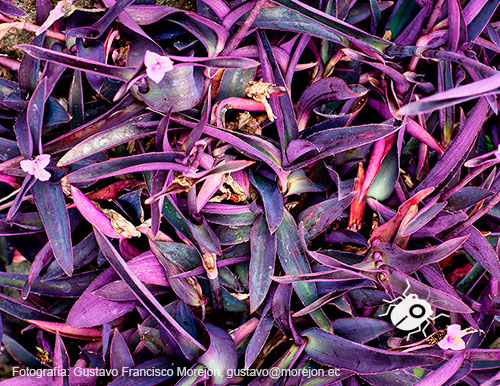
(247, 187)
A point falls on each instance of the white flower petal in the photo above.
(155, 75)
(43, 175)
(28, 166)
(43, 160)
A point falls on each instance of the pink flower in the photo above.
(453, 339)
(37, 166)
(157, 65)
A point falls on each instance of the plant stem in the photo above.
(242, 31)
(32, 28)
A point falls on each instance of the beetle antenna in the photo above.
(407, 288)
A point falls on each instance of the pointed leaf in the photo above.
(411, 261)
(294, 261)
(124, 165)
(191, 348)
(318, 217)
(221, 356)
(338, 352)
(263, 250)
(481, 251)
(115, 72)
(446, 371)
(337, 140)
(50, 202)
(120, 355)
(90, 310)
(272, 199)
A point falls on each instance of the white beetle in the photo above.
(410, 313)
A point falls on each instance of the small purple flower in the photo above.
(157, 65)
(37, 167)
(453, 339)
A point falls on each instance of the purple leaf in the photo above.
(20, 354)
(467, 197)
(107, 139)
(318, 217)
(298, 183)
(440, 223)
(92, 214)
(323, 91)
(75, 100)
(294, 261)
(28, 183)
(92, 66)
(481, 251)
(456, 25)
(124, 165)
(90, 310)
(446, 371)
(260, 335)
(271, 198)
(148, 269)
(221, 356)
(361, 330)
(410, 261)
(61, 361)
(50, 202)
(120, 355)
(119, 291)
(281, 312)
(263, 255)
(29, 67)
(483, 17)
(23, 311)
(67, 287)
(190, 347)
(333, 141)
(42, 258)
(483, 87)
(134, 376)
(83, 253)
(23, 135)
(423, 217)
(286, 121)
(338, 352)
(326, 21)
(460, 145)
(95, 52)
(34, 115)
(10, 10)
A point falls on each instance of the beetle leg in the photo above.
(425, 326)
(393, 300)
(414, 332)
(437, 316)
(388, 309)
